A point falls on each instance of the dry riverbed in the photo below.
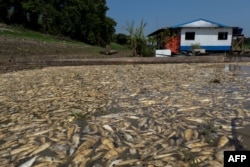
(123, 115)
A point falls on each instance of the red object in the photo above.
(173, 43)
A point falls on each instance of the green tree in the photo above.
(11, 12)
(87, 21)
(84, 20)
(33, 11)
(121, 39)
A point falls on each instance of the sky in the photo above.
(165, 13)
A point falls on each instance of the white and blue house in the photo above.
(209, 35)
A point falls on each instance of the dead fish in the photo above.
(239, 98)
(22, 128)
(41, 148)
(132, 151)
(196, 149)
(108, 142)
(85, 145)
(29, 163)
(222, 142)
(159, 129)
(82, 161)
(192, 145)
(188, 133)
(97, 156)
(133, 117)
(102, 131)
(49, 159)
(111, 116)
(107, 127)
(209, 114)
(82, 157)
(172, 134)
(195, 134)
(198, 120)
(190, 108)
(163, 155)
(70, 118)
(75, 140)
(27, 152)
(54, 139)
(198, 160)
(127, 137)
(142, 122)
(127, 162)
(70, 132)
(49, 99)
(134, 94)
(148, 102)
(110, 154)
(205, 100)
(94, 129)
(101, 147)
(42, 139)
(126, 124)
(121, 149)
(19, 150)
(40, 132)
(115, 162)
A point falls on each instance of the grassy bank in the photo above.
(21, 43)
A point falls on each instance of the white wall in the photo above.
(206, 36)
(162, 53)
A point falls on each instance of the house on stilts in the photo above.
(200, 34)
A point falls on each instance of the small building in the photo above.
(197, 34)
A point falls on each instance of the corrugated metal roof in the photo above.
(200, 23)
(157, 31)
(197, 23)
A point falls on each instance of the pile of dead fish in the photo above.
(131, 115)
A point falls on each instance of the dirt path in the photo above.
(12, 65)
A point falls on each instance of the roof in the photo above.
(198, 23)
(158, 31)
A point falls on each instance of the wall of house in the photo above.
(207, 38)
(173, 43)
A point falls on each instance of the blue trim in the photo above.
(212, 22)
(208, 48)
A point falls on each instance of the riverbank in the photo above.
(15, 65)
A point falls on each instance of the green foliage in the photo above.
(121, 39)
(208, 130)
(163, 38)
(79, 115)
(84, 20)
(148, 52)
(137, 41)
(195, 46)
(118, 47)
(24, 34)
(247, 43)
(190, 158)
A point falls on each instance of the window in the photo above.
(222, 35)
(190, 35)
